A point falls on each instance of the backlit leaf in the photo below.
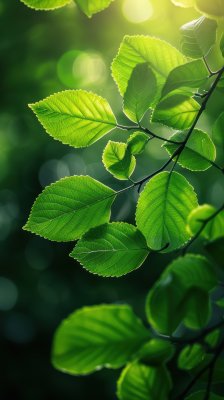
(181, 295)
(163, 209)
(141, 382)
(191, 356)
(112, 249)
(140, 93)
(45, 4)
(176, 110)
(198, 306)
(67, 209)
(96, 337)
(156, 352)
(213, 230)
(75, 117)
(118, 160)
(137, 142)
(212, 338)
(90, 7)
(160, 56)
(199, 152)
(198, 36)
(191, 75)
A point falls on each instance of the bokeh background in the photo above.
(42, 53)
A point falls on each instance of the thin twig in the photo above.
(145, 130)
(207, 66)
(210, 366)
(192, 340)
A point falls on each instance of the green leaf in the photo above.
(192, 75)
(183, 3)
(163, 209)
(165, 305)
(198, 306)
(181, 295)
(45, 4)
(222, 44)
(218, 131)
(156, 352)
(96, 337)
(198, 37)
(199, 152)
(212, 338)
(118, 160)
(213, 229)
(221, 83)
(220, 302)
(67, 209)
(140, 93)
(191, 356)
(192, 271)
(111, 250)
(90, 7)
(75, 117)
(137, 142)
(210, 8)
(176, 111)
(160, 56)
(201, 396)
(140, 382)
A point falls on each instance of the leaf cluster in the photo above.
(158, 84)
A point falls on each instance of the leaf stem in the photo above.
(145, 130)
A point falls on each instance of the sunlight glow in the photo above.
(137, 11)
(76, 68)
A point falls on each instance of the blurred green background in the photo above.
(42, 53)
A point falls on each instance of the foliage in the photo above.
(89, 7)
(161, 85)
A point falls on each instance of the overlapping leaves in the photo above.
(67, 209)
(199, 218)
(160, 56)
(151, 75)
(182, 295)
(199, 152)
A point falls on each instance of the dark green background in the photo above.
(50, 285)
